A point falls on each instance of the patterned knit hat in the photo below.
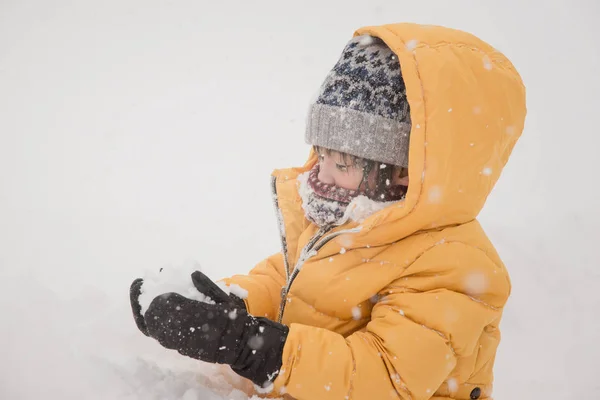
(361, 108)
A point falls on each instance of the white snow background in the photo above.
(140, 134)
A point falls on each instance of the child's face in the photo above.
(333, 169)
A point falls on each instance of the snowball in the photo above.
(171, 280)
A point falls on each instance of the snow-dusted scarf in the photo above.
(326, 204)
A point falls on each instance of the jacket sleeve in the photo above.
(263, 284)
(423, 322)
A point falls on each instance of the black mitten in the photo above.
(218, 333)
(202, 282)
(134, 294)
(207, 287)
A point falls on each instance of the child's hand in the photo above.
(218, 333)
(207, 287)
(134, 293)
(201, 282)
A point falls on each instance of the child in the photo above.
(386, 285)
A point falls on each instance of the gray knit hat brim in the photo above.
(358, 133)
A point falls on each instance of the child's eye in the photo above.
(321, 157)
(343, 168)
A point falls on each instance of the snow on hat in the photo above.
(361, 108)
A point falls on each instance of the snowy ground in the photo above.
(139, 134)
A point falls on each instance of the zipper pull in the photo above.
(283, 293)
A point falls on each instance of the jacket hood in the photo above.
(467, 107)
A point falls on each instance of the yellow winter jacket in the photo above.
(407, 303)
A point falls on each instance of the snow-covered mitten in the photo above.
(207, 287)
(201, 282)
(218, 333)
(134, 293)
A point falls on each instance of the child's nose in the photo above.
(325, 175)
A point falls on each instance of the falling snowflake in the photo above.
(510, 130)
(412, 44)
(452, 385)
(256, 342)
(365, 40)
(476, 283)
(487, 171)
(345, 240)
(356, 313)
(435, 194)
(342, 250)
(487, 62)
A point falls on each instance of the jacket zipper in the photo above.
(281, 227)
(311, 248)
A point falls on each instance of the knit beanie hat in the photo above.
(361, 108)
